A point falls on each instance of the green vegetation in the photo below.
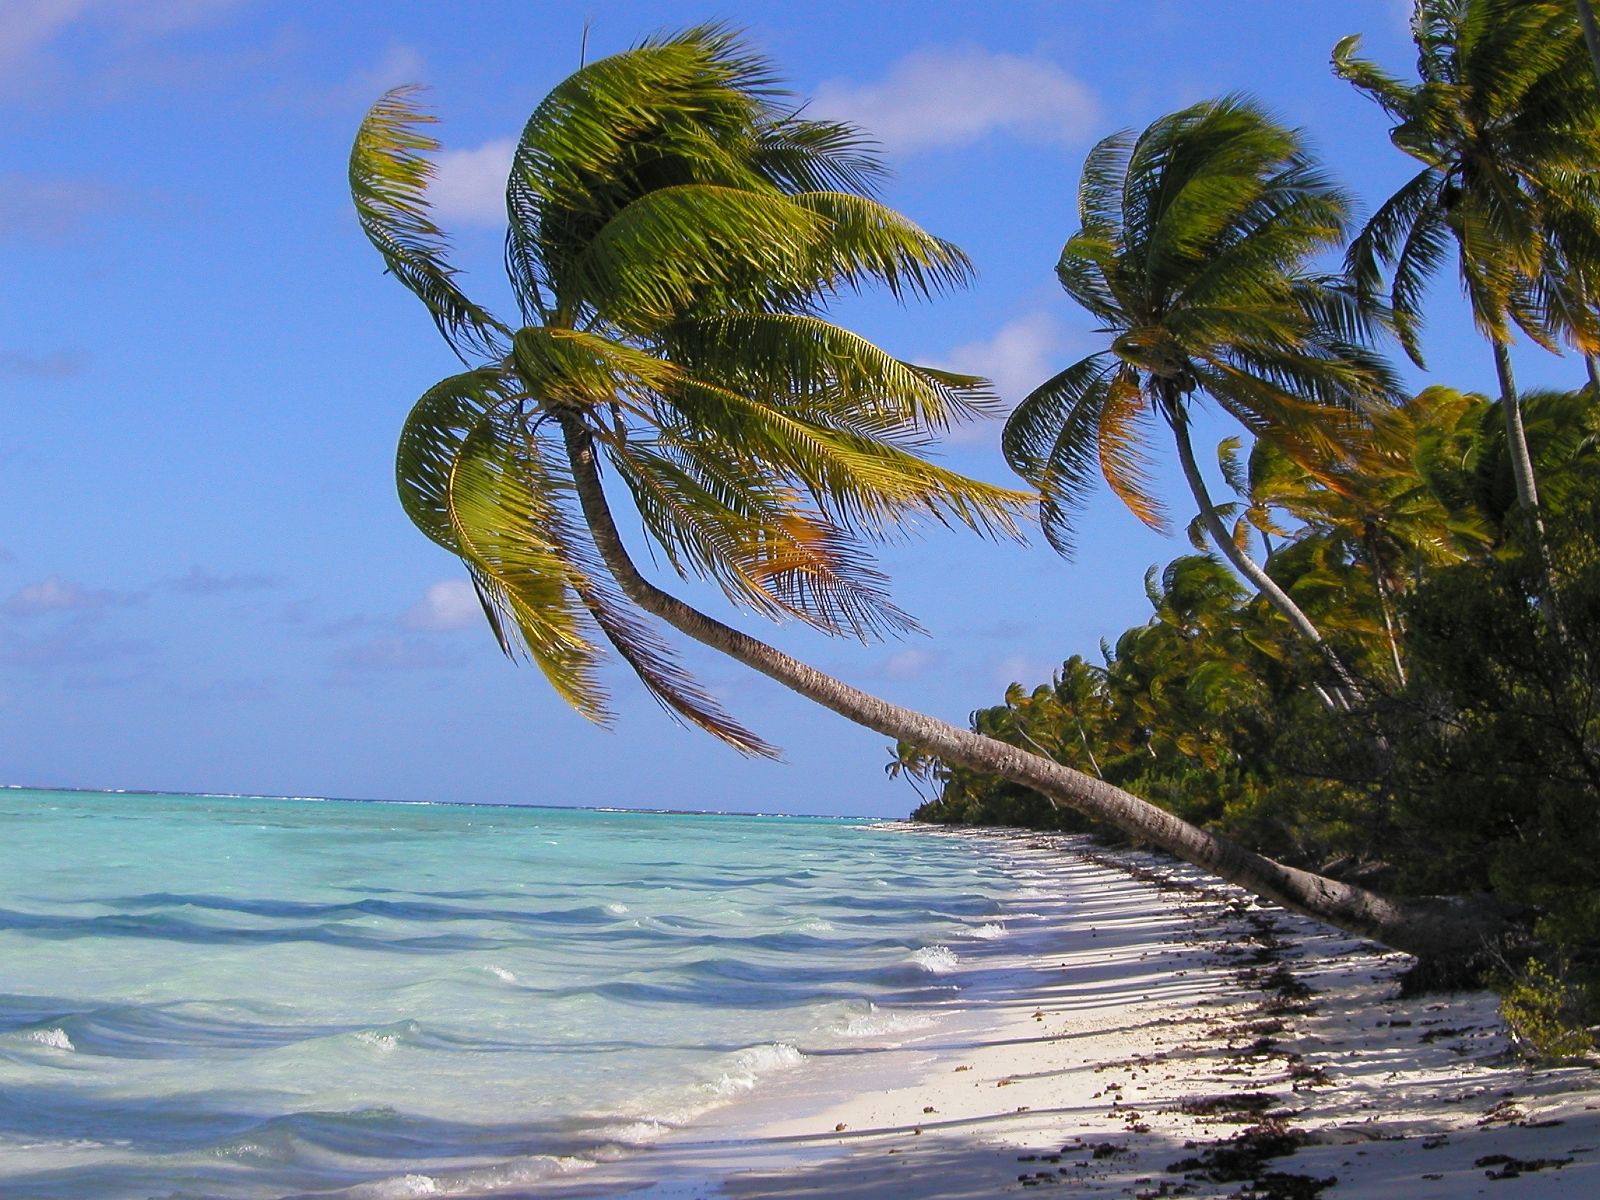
(1439, 554)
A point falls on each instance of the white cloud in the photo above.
(1019, 357)
(1018, 668)
(29, 30)
(361, 88)
(30, 25)
(907, 664)
(469, 187)
(447, 605)
(201, 582)
(33, 207)
(944, 98)
(56, 594)
(394, 654)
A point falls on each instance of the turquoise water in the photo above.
(246, 997)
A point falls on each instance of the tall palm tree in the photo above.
(1193, 256)
(675, 227)
(1506, 122)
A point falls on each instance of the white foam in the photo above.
(56, 1039)
(503, 975)
(816, 925)
(398, 1188)
(752, 1063)
(936, 960)
(383, 1043)
(880, 1022)
(617, 909)
(989, 932)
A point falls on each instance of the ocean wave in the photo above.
(55, 1037)
(988, 933)
(936, 960)
(751, 1064)
(878, 1022)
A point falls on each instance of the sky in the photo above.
(206, 581)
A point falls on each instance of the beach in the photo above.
(256, 998)
(1168, 1036)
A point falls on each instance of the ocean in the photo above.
(232, 997)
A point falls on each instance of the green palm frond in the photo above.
(1505, 119)
(864, 484)
(870, 243)
(676, 227)
(1052, 441)
(764, 547)
(808, 365)
(389, 176)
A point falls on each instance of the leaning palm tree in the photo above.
(1505, 120)
(675, 229)
(1193, 257)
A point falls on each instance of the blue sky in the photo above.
(206, 582)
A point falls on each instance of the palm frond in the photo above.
(810, 366)
(869, 242)
(389, 175)
(862, 483)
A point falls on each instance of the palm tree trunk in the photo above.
(1337, 698)
(1516, 438)
(1527, 487)
(1442, 928)
(1380, 585)
(1591, 35)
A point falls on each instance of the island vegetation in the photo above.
(1387, 718)
(1406, 691)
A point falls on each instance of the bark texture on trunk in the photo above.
(1432, 928)
(1340, 697)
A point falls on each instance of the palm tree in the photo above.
(1506, 123)
(675, 227)
(1381, 515)
(1192, 256)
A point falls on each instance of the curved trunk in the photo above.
(1340, 696)
(1442, 928)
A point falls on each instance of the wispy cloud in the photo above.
(51, 209)
(396, 65)
(446, 606)
(55, 595)
(394, 654)
(1018, 668)
(907, 664)
(1017, 358)
(201, 582)
(120, 29)
(56, 364)
(76, 644)
(469, 187)
(944, 98)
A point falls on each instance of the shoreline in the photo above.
(1155, 1034)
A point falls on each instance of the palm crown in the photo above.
(675, 228)
(1192, 255)
(1505, 120)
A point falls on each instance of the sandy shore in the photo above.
(1145, 1032)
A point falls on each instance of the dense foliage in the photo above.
(1471, 763)
(1408, 694)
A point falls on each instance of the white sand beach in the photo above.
(1150, 1033)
